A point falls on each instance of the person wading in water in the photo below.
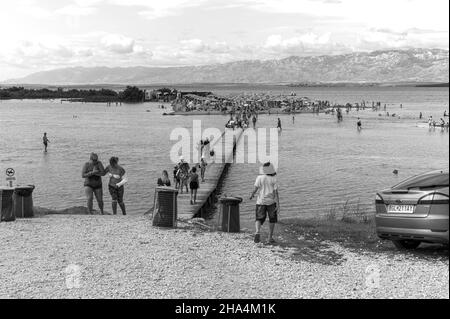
(359, 124)
(45, 141)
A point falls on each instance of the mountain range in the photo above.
(411, 65)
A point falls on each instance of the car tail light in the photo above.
(434, 199)
(378, 199)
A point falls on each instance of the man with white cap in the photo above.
(267, 202)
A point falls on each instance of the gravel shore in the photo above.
(125, 257)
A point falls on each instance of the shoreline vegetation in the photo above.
(130, 94)
(187, 102)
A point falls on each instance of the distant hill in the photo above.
(413, 65)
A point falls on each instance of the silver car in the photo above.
(414, 211)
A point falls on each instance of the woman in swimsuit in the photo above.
(117, 180)
(92, 173)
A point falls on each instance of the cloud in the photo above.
(430, 14)
(76, 10)
(158, 9)
(26, 8)
(305, 44)
(118, 44)
(193, 45)
(376, 39)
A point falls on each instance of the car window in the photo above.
(424, 181)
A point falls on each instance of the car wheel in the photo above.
(406, 244)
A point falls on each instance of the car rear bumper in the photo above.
(425, 235)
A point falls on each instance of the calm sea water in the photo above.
(322, 164)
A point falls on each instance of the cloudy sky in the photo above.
(46, 34)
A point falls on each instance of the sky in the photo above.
(39, 35)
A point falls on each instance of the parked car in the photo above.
(414, 211)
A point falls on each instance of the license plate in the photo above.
(401, 209)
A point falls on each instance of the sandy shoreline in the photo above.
(125, 257)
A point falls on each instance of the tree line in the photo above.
(131, 94)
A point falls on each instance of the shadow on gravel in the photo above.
(309, 236)
(308, 249)
(428, 252)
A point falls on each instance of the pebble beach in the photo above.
(78, 256)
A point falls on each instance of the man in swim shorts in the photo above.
(92, 173)
(267, 202)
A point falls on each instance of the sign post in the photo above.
(10, 177)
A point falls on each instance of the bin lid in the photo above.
(235, 200)
(166, 189)
(7, 188)
(25, 187)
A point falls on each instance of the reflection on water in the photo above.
(322, 163)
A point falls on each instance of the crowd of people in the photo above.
(440, 123)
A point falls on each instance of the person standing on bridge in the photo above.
(193, 185)
(267, 202)
(202, 166)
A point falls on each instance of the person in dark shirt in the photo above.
(92, 173)
(193, 185)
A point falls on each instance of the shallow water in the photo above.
(322, 164)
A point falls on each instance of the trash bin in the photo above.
(165, 213)
(230, 214)
(6, 204)
(23, 201)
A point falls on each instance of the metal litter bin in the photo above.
(6, 204)
(165, 213)
(230, 214)
(23, 201)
